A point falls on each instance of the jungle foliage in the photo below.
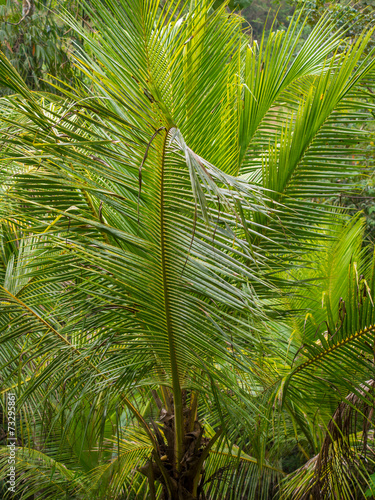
(184, 313)
(36, 42)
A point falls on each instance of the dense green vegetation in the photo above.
(35, 41)
(186, 302)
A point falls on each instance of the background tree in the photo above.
(36, 42)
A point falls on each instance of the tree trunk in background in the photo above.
(28, 7)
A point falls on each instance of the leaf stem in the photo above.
(177, 393)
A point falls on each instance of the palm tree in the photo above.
(160, 226)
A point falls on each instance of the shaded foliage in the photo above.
(37, 45)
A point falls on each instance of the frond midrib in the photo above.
(333, 348)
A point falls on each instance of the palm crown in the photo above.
(157, 226)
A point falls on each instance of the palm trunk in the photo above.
(186, 482)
